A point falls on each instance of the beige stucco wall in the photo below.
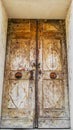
(69, 37)
(3, 33)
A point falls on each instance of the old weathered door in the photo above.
(19, 84)
(35, 90)
(53, 111)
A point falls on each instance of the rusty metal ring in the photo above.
(53, 75)
(18, 75)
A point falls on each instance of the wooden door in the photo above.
(18, 108)
(53, 107)
(35, 90)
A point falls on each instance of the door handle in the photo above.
(40, 72)
(53, 75)
(18, 75)
(31, 75)
(38, 65)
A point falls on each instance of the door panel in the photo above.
(52, 83)
(19, 85)
(52, 95)
(52, 56)
(17, 53)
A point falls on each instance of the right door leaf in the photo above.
(52, 84)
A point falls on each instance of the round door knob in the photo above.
(53, 75)
(18, 75)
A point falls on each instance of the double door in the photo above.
(35, 93)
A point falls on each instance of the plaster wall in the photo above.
(37, 9)
(3, 34)
(69, 38)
